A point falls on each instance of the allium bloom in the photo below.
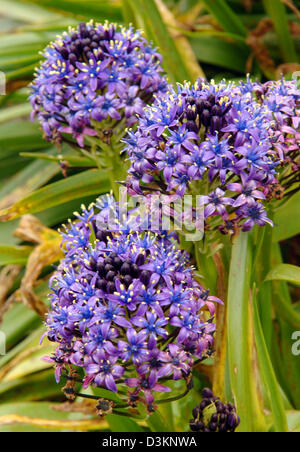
(94, 74)
(211, 415)
(224, 141)
(125, 306)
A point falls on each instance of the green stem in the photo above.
(173, 399)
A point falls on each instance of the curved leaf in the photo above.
(14, 254)
(74, 187)
(287, 224)
(285, 272)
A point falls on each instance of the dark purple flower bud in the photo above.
(200, 105)
(206, 117)
(207, 393)
(208, 411)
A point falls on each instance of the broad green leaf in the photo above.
(216, 51)
(287, 219)
(26, 12)
(6, 233)
(239, 337)
(12, 63)
(267, 372)
(183, 46)
(28, 335)
(8, 168)
(277, 11)
(15, 111)
(122, 424)
(73, 187)
(285, 272)
(20, 136)
(33, 176)
(106, 9)
(40, 416)
(58, 214)
(289, 362)
(24, 72)
(19, 322)
(33, 363)
(128, 13)
(288, 318)
(157, 423)
(283, 307)
(158, 31)
(39, 386)
(262, 264)
(225, 16)
(14, 254)
(51, 217)
(293, 418)
(17, 40)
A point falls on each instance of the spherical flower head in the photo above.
(94, 75)
(221, 134)
(125, 306)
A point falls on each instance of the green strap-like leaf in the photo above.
(239, 337)
(293, 418)
(276, 10)
(15, 111)
(81, 185)
(285, 272)
(158, 31)
(16, 255)
(225, 16)
(268, 373)
(287, 224)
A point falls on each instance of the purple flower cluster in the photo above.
(224, 141)
(125, 306)
(282, 99)
(95, 73)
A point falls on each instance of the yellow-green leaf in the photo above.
(74, 187)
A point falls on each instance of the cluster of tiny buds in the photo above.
(85, 41)
(208, 112)
(113, 268)
(211, 415)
